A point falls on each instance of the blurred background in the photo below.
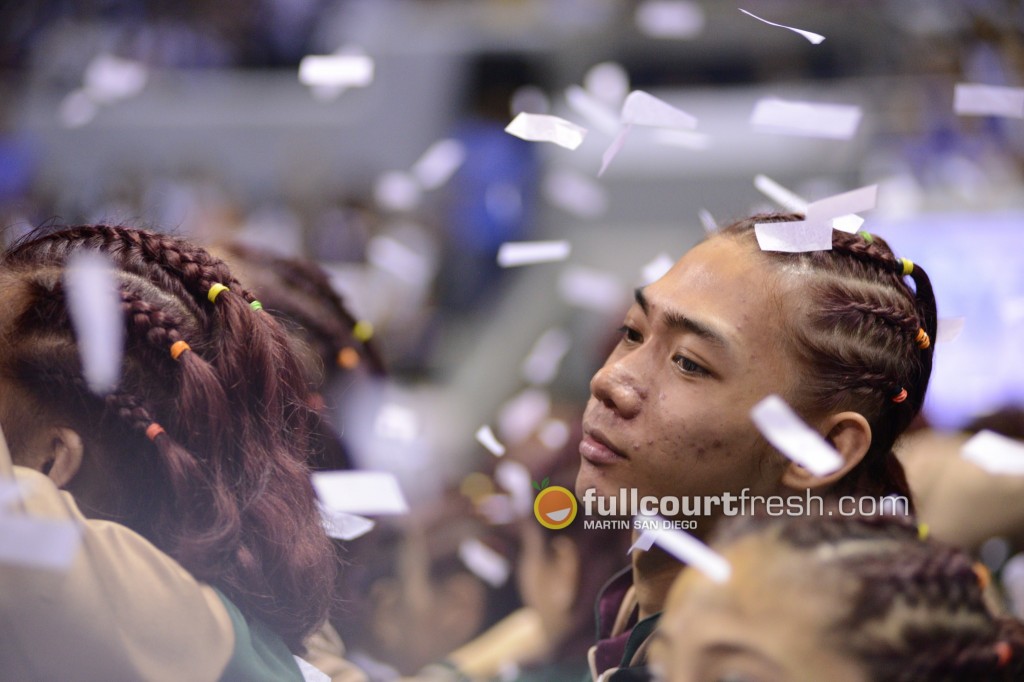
(191, 117)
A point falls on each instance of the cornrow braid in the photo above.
(915, 609)
(854, 328)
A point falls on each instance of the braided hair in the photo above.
(864, 337)
(205, 435)
(915, 610)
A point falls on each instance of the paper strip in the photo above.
(793, 438)
(484, 562)
(656, 269)
(575, 193)
(546, 128)
(780, 195)
(644, 109)
(38, 543)
(594, 111)
(680, 19)
(310, 673)
(707, 220)
(855, 201)
(591, 289)
(515, 254)
(94, 304)
(794, 237)
(514, 478)
(520, 416)
(995, 454)
(541, 364)
(342, 525)
(108, 78)
(810, 119)
(949, 328)
(974, 99)
(336, 70)
(360, 492)
(814, 38)
(439, 163)
(686, 548)
(643, 543)
(614, 148)
(486, 437)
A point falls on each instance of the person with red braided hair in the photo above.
(842, 335)
(844, 599)
(203, 556)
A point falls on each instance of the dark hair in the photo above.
(916, 608)
(225, 489)
(856, 330)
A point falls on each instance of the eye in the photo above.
(688, 366)
(630, 335)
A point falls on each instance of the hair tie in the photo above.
(154, 430)
(363, 330)
(922, 531)
(901, 396)
(256, 305)
(179, 347)
(908, 266)
(922, 339)
(215, 289)
(1004, 652)
(348, 358)
(983, 575)
(867, 236)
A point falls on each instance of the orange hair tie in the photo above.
(984, 576)
(922, 339)
(179, 347)
(900, 397)
(348, 358)
(1004, 652)
(154, 430)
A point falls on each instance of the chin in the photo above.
(590, 476)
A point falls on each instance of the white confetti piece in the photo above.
(793, 237)
(676, 19)
(336, 70)
(484, 562)
(643, 109)
(575, 193)
(497, 509)
(810, 119)
(514, 478)
(10, 491)
(540, 367)
(402, 261)
(520, 416)
(360, 492)
(554, 434)
(614, 148)
(109, 79)
(949, 328)
(974, 99)
(310, 673)
(643, 543)
(396, 422)
(485, 436)
(342, 525)
(516, 254)
(814, 38)
(439, 163)
(848, 223)
(687, 139)
(94, 304)
(546, 128)
(779, 194)
(793, 438)
(608, 82)
(854, 201)
(591, 289)
(38, 543)
(707, 220)
(77, 109)
(397, 191)
(594, 111)
(995, 454)
(656, 269)
(687, 548)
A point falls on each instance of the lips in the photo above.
(597, 449)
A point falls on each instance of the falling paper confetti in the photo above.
(643, 109)
(515, 254)
(973, 99)
(515, 479)
(484, 562)
(707, 220)
(779, 194)
(109, 79)
(310, 673)
(397, 191)
(995, 454)
(793, 237)
(554, 434)
(598, 114)
(949, 328)
(686, 548)
(643, 543)
(810, 119)
(342, 525)
(575, 193)
(608, 82)
(679, 19)
(591, 289)
(825, 210)
(656, 269)
(793, 438)
(94, 304)
(520, 416)
(546, 128)
(360, 492)
(38, 543)
(614, 148)
(541, 364)
(486, 437)
(814, 38)
(336, 70)
(439, 163)
(77, 109)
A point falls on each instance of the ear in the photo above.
(850, 434)
(56, 451)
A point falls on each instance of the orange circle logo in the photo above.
(555, 507)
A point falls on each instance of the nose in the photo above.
(618, 388)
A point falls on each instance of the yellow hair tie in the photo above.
(908, 266)
(363, 331)
(922, 339)
(215, 289)
(179, 347)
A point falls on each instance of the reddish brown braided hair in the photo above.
(224, 489)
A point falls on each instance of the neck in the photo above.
(653, 574)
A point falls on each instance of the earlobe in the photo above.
(850, 434)
(63, 455)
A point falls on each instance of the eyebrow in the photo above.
(680, 322)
